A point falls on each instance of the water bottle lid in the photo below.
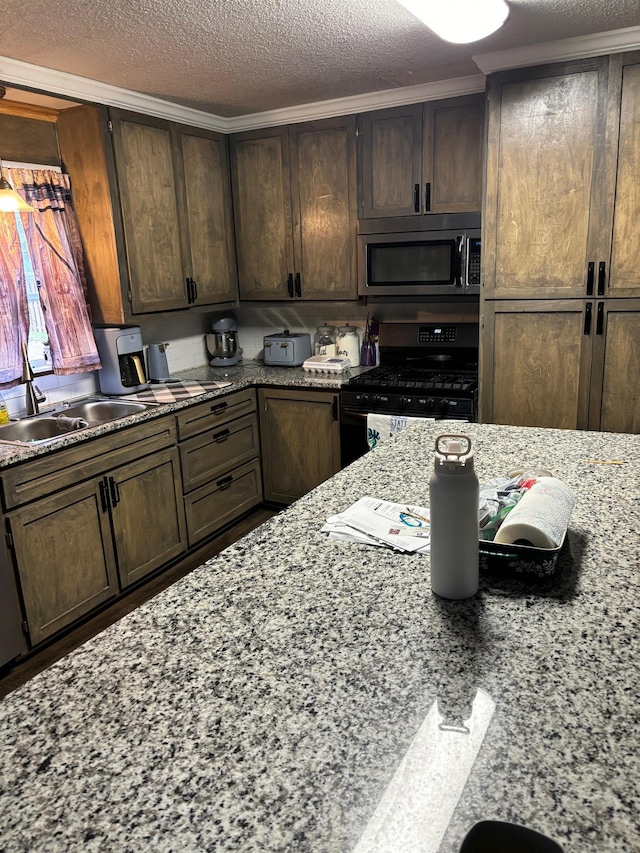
(454, 452)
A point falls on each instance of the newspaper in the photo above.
(373, 521)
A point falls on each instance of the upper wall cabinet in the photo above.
(548, 192)
(294, 193)
(174, 195)
(563, 198)
(422, 158)
(172, 246)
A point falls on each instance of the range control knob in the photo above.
(443, 406)
(404, 402)
(429, 404)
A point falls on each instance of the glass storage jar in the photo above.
(324, 341)
(348, 344)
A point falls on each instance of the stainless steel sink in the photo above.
(100, 411)
(47, 428)
(31, 431)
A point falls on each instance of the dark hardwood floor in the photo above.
(21, 672)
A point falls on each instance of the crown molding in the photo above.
(75, 88)
(599, 44)
(78, 88)
(361, 103)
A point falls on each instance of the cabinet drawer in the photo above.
(61, 469)
(220, 448)
(213, 506)
(206, 416)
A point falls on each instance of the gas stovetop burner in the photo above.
(414, 379)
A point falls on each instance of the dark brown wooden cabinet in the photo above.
(88, 521)
(561, 289)
(300, 440)
(294, 191)
(154, 212)
(220, 462)
(421, 158)
(174, 192)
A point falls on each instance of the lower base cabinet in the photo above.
(300, 441)
(565, 364)
(77, 546)
(220, 461)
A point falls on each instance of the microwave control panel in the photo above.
(474, 246)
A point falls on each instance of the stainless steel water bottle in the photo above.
(453, 509)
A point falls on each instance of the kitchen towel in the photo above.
(174, 391)
(380, 427)
(541, 517)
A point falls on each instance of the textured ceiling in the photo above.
(237, 57)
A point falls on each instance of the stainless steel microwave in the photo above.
(434, 255)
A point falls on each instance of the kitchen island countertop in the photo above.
(267, 701)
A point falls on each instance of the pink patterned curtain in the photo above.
(14, 312)
(56, 255)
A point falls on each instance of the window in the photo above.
(38, 345)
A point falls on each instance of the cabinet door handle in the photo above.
(189, 291)
(194, 290)
(590, 276)
(298, 285)
(427, 196)
(334, 409)
(290, 284)
(601, 275)
(416, 198)
(218, 408)
(114, 491)
(221, 436)
(600, 318)
(225, 482)
(587, 318)
(104, 495)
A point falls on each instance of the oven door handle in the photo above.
(354, 413)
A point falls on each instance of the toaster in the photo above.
(287, 349)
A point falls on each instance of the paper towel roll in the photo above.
(541, 517)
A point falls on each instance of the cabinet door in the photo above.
(547, 203)
(323, 185)
(64, 556)
(208, 239)
(391, 162)
(300, 440)
(147, 187)
(615, 394)
(624, 275)
(454, 155)
(262, 213)
(148, 515)
(536, 362)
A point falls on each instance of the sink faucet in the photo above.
(33, 394)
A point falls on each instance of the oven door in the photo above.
(353, 428)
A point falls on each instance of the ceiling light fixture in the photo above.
(460, 21)
(10, 201)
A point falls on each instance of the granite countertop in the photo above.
(281, 697)
(243, 375)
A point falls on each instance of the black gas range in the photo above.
(427, 370)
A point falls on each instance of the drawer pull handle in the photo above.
(225, 482)
(221, 436)
(218, 408)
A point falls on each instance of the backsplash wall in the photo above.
(185, 334)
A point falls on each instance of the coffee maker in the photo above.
(120, 349)
(222, 343)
